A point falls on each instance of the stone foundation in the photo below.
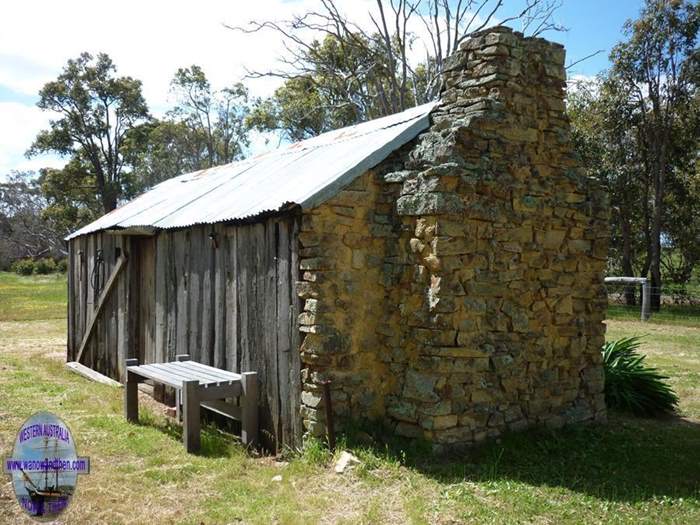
(456, 290)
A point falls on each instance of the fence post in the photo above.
(646, 300)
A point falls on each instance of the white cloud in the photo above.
(147, 39)
(19, 124)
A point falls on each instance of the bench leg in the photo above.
(191, 420)
(131, 394)
(249, 408)
(178, 405)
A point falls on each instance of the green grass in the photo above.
(628, 471)
(32, 298)
(675, 351)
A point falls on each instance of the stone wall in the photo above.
(455, 291)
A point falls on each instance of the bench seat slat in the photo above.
(156, 375)
(186, 375)
(175, 373)
(183, 368)
(224, 374)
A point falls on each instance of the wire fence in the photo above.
(678, 304)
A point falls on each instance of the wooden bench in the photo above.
(197, 386)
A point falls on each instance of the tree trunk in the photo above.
(108, 198)
(627, 270)
(657, 212)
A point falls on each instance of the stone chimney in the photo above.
(509, 241)
(507, 86)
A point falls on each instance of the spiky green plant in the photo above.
(631, 385)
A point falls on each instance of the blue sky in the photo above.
(150, 40)
(593, 25)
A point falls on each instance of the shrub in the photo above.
(44, 266)
(632, 386)
(62, 265)
(23, 267)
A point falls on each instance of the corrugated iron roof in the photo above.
(304, 173)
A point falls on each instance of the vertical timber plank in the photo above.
(220, 298)
(181, 268)
(268, 307)
(160, 292)
(197, 258)
(123, 311)
(90, 266)
(71, 301)
(171, 296)
(133, 318)
(294, 335)
(109, 348)
(259, 346)
(232, 313)
(283, 329)
(82, 278)
(209, 251)
(148, 298)
(244, 283)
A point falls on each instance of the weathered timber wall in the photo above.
(231, 306)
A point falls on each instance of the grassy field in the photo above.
(38, 297)
(628, 471)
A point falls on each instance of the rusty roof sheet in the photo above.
(305, 173)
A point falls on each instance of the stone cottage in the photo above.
(443, 267)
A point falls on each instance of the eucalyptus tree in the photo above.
(657, 66)
(95, 112)
(339, 71)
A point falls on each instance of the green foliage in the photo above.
(170, 148)
(62, 265)
(70, 194)
(631, 385)
(338, 72)
(23, 267)
(657, 69)
(25, 233)
(205, 128)
(44, 266)
(636, 128)
(96, 112)
(296, 109)
(344, 81)
(216, 117)
(315, 452)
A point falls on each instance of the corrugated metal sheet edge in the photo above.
(421, 123)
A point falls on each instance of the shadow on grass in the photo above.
(626, 460)
(215, 442)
